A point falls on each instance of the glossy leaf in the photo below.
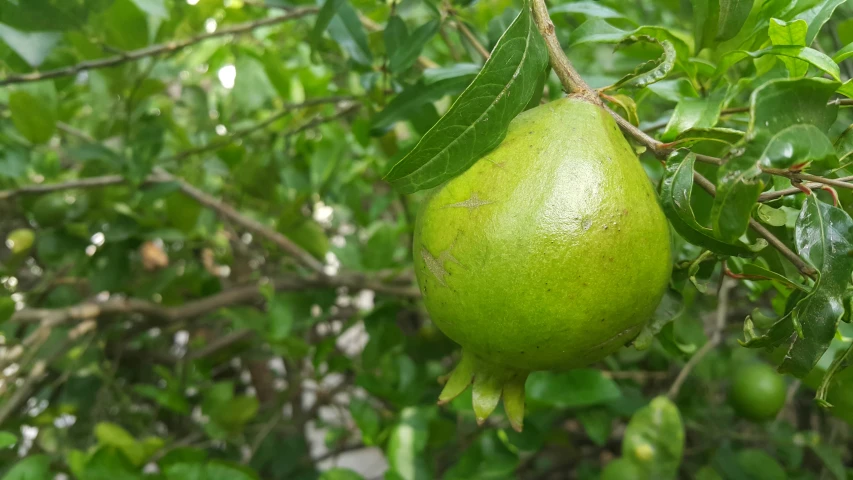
(695, 113)
(843, 54)
(676, 189)
(478, 120)
(774, 106)
(799, 145)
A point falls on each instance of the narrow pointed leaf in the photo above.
(652, 71)
(478, 120)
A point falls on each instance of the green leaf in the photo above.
(575, 388)
(214, 470)
(774, 106)
(693, 136)
(695, 113)
(324, 18)
(799, 145)
(818, 16)
(819, 60)
(824, 238)
(753, 269)
(346, 29)
(252, 88)
(790, 33)
(588, 8)
(597, 30)
(36, 467)
(406, 445)
(732, 17)
(403, 48)
(706, 14)
(597, 423)
(649, 72)
(33, 47)
(340, 474)
(670, 307)
(171, 399)
(7, 439)
(843, 54)
(654, 439)
(676, 190)
(477, 122)
(366, 418)
(757, 464)
(34, 110)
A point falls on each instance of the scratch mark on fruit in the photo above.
(472, 203)
(435, 265)
(501, 165)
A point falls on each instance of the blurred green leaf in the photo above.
(347, 30)
(692, 113)
(575, 388)
(33, 47)
(654, 439)
(35, 467)
(34, 110)
(403, 48)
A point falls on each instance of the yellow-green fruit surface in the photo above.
(757, 392)
(551, 251)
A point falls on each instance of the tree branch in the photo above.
(768, 196)
(240, 295)
(472, 39)
(569, 77)
(716, 337)
(169, 47)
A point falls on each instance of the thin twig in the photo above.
(769, 196)
(472, 39)
(716, 336)
(169, 47)
(799, 176)
(569, 77)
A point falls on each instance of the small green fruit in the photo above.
(20, 241)
(757, 392)
(551, 252)
(50, 210)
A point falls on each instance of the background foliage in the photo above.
(205, 275)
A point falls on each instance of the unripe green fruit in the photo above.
(20, 241)
(551, 252)
(50, 210)
(757, 392)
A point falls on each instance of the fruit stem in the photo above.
(569, 77)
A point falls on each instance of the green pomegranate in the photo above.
(551, 252)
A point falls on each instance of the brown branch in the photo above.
(799, 177)
(226, 211)
(716, 336)
(768, 196)
(569, 77)
(236, 296)
(472, 39)
(153, 50)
